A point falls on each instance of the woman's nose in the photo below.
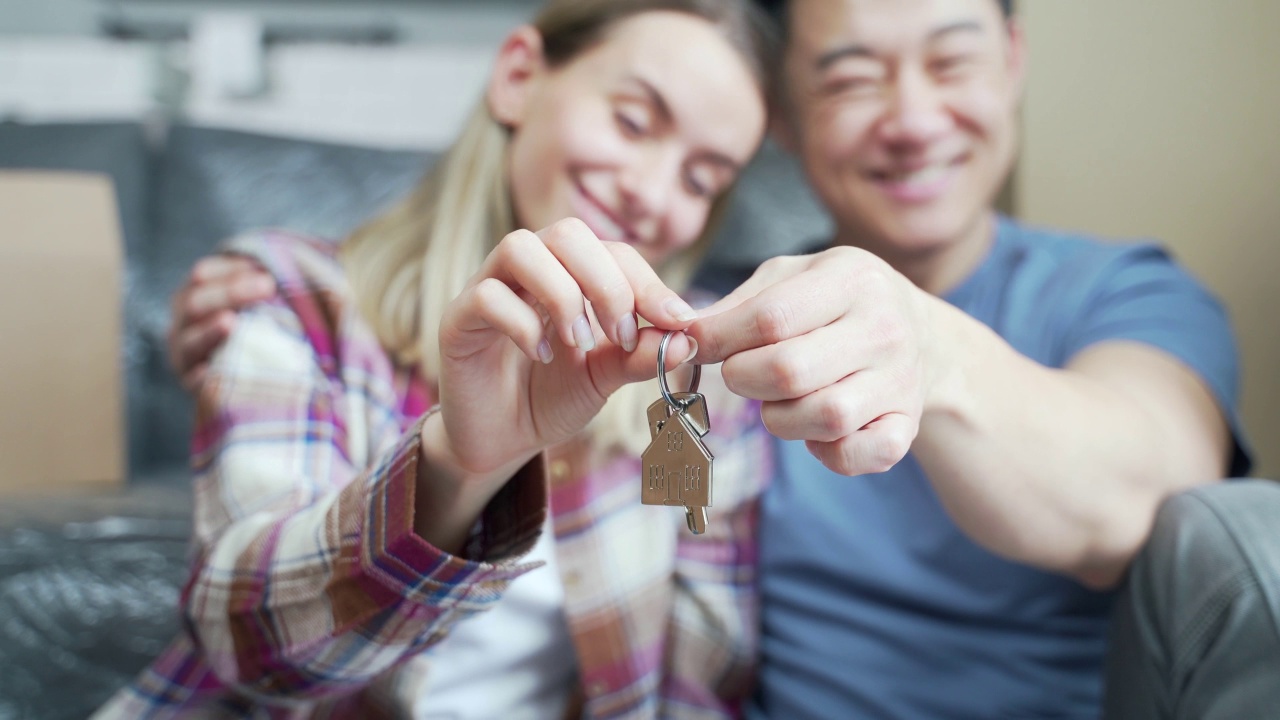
(646, 185)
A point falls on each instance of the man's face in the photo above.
(904, 113)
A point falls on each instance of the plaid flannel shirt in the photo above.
(311, 596)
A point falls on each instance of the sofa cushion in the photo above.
(210, 184)
(773, 212)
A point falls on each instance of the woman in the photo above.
(373, 445)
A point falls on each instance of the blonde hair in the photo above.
(407, 264)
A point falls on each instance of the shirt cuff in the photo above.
(420, 572)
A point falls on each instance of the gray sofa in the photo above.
(88, 585)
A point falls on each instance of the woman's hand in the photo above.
(541, 337)
(204, 311)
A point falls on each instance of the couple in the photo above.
(416, 456)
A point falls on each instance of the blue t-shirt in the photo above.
(875, 605)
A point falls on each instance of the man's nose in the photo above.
(916, 113)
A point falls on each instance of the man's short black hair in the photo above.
(778, 8)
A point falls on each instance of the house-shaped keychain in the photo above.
(676, 467)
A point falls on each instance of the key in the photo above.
(695, 409)
(677, 466)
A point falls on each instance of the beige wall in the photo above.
(1161, 118)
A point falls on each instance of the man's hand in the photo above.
(204, 311)
(1061, 469)
(833, 343)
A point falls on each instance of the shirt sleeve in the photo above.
(307, 578)
(1142, 295)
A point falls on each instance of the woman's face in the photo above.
(636, 136)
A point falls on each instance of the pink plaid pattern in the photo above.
(311, 596)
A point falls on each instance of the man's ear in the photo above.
(1017, 60)
(519, 64)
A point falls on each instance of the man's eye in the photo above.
(855, 85)
(950, 65)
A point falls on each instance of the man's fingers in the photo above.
(232, 292)
(194, 378)
(802, 365)
(770, 272)
(214, 267)
(836, 411)
(194, 344)
(787, 309)
(873, 449)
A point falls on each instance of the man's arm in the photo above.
(1058, 468)
(204, 311)
(1063, 469)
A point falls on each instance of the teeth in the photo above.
(605, 228)
(921, 176)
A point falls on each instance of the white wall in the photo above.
(415, 21)
(411, 93)
(398, 97)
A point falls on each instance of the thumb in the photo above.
(611, 367)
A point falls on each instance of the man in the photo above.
(1052, 390)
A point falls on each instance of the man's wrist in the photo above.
(948, 347)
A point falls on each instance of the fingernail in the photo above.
(693, 350)
(628, 332)
(582, 335)
(544, 351)
(679, 309)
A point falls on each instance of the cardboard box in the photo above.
(61, 387)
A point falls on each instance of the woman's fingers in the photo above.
(611, 367)
(522, 260)
(599, 278)
(493, 305)
(654, 301)
(579, 281)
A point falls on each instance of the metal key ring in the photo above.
(662, 375)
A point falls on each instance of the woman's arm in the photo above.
(308, 578)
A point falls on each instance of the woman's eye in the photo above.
(699, 186)
(631, 126)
